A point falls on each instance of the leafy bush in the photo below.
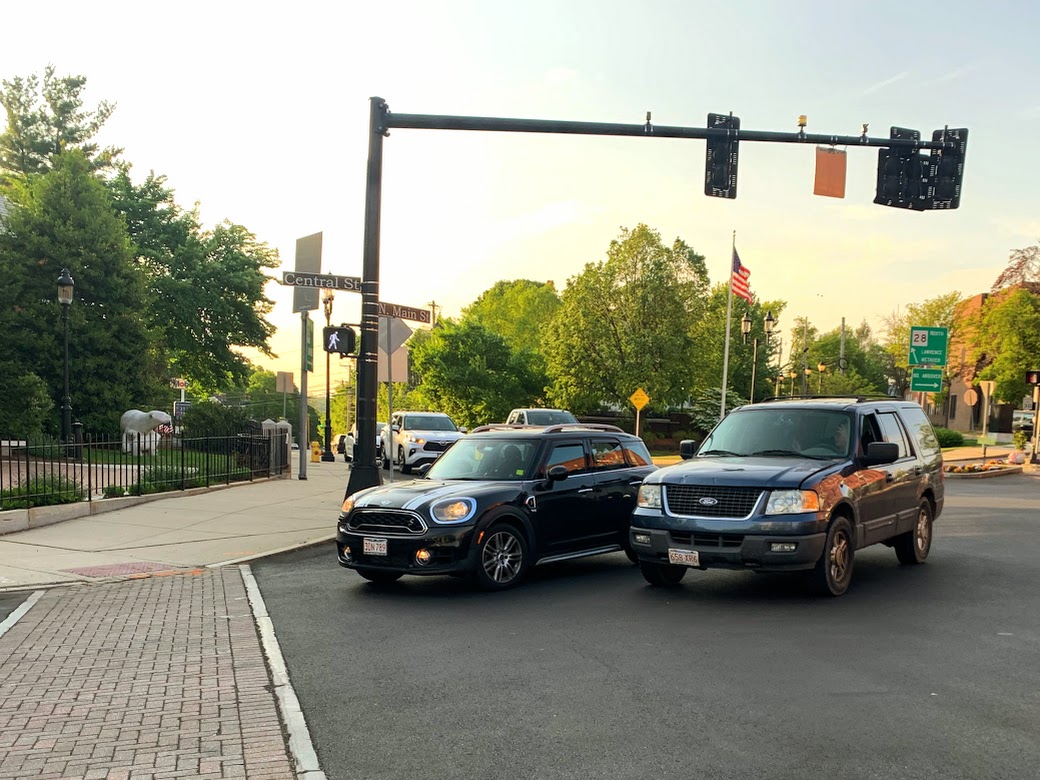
(113, 491)
(948, 438)
(1020, 439)
(42, 491)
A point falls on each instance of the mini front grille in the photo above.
(385, 521)
(721, 541)
(710, 501)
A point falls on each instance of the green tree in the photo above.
(46, 117)
(471, 374)
(625, 323)
(206, 287)
(27, 410)
(515, 310)
(1009, 341)
(64, 218)
(934, 313)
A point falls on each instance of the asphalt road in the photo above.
(9, 602)
(586, 672)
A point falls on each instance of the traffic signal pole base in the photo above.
(362, 477)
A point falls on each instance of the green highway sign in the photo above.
(926, 380)
(928, 346)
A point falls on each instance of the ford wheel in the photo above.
(833, 571)
(912, 547)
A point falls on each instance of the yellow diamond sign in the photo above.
(639, 399)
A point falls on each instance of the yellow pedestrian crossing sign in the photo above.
(639, 399)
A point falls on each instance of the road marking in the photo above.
(24, 607)
(300, 745)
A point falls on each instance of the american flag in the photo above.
(739, 280)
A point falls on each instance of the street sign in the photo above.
(405, 312)
(926, 380)
(392, 334)
(928, 346)
(308, 261)
(317, 282)
(308, 364)
(971, 396)
(639, 399)
(178, 384)
(180, 407)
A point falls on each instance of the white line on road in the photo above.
(24, 607)
(300, 744)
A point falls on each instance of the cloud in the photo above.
(956, 73)
(887, 82)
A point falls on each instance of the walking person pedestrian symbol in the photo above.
(333, 342)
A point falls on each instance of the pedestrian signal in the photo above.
(1033, 377)
(339, 339)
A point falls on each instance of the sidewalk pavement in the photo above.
(151, 664)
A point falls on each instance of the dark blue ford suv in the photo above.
(794, 485)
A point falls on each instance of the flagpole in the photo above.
(729, 310)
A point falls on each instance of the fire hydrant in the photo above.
(315, 452)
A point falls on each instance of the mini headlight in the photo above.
(348, 504)
(792, 502)
(456, 510)
(649, 496)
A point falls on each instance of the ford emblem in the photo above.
(708, 501)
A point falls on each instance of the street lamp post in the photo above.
(822, 367)
(745, 328)
(327, 297)
(65, 288)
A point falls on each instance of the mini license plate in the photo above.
(683, 557)
(374, 546)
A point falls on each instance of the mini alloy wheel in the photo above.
(502, 559)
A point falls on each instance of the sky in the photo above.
(259, 113)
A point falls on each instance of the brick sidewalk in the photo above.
(162, 677)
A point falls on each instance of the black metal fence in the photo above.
(45, 472)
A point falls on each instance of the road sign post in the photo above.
(639, 399)
(926, 380)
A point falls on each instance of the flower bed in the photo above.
(992, 467)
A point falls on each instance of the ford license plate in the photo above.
(374, 546)
(684, 557)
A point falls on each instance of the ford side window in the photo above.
(893, 432)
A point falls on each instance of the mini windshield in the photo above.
(777, 432)
(549, 417)
(480, 458)
(428, 422)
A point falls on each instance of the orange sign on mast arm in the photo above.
(830, 172)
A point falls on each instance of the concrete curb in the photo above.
(983, 474)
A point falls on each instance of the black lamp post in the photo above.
(822, 367)
(327, 297)
(745, 328)
(65, 287)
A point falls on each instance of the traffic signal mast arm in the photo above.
(446, 122)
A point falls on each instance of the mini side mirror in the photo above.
(687, 448)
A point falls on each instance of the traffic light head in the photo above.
(340, 339)
(720, 167)
(946, 169)
(1033, 377)
(901, 173)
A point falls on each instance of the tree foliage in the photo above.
(206, 287)
(1009, 341)
(27, 408)
(46, 117)
(64, 219)
(624, 323)
(937, 312)
(471, 374)
(515, 310)
(1023, 268)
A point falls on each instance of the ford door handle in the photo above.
(585, 490)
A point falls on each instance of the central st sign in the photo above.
(928, 346)
(321, 281)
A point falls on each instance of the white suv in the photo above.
(414, 438)
(540, 417)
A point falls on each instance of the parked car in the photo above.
(339, 445)
(540, 417)
(350, 438)
(1022, 420)
(415, 438)
(792, 486)
(497, 502)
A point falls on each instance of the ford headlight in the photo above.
(792, 502)
(649, 496)
(456, 510)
